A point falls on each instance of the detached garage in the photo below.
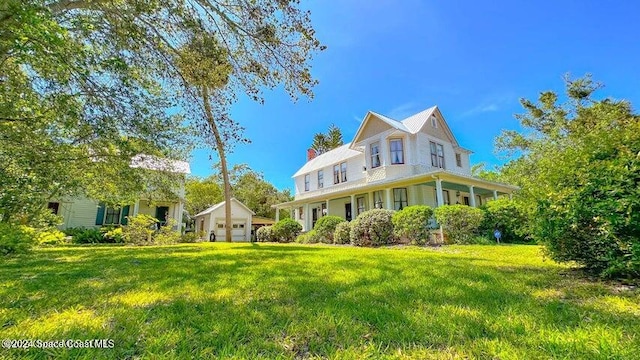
(212, 222)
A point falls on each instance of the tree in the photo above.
(200, 194)
(324, 142)
(87, 80)
(578, 164)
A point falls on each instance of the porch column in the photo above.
(307, 217)
(180, 214)
(277, 214)
(439, 199)
(136, 208)
(387, 193)
(472, 196)
(327, 207)
(495, 194)
(353, 205)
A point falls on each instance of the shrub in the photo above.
(310, 237)
(342, 233)
(139, 229)
(166, 234)
(81, 235)
(506, 216)
(15, 239)
(50, 237)
(459, 222)
(326, 226)
(265, 234)
(112, 234)
(372, 228)
(412, 224)
(191, 237)
(286, 230)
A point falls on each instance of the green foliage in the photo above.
(15, 239)
(411, 224)
(82, 235)
(166, 234)
(326, 226)
(286, 230)
(139, 229)
(578, 167)
(50, 236)
(265, 234)
(505, 215)
(459, 222)
(324, 142)
(310, 237)
(191, 237)
(201, 194)
(342, 233)
(372, 228)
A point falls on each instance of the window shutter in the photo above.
(100, 214)
(124, 214)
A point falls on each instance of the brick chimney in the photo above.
(311, 154)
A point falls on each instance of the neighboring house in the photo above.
(83, 212)
(389, 164)
(211, 222)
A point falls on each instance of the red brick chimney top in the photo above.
(311, 154)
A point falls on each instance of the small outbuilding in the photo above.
(211, 222)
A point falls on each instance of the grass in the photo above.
(294, 301)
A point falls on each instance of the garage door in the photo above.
(238, 232)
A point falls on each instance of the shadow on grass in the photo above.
(263, 300)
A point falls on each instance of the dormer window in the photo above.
(434, 121)
(307, 180)
(397, 151)
(375, 155)
(437, 155)
(458, 159)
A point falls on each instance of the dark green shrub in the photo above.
(286, 230)
(191, 237)
(342, 233)
(505, 215)
(85, 235)
(411, 224)
(265, 234)
(326, 226)
(310, 237)
(459, 222)
(139, 229)
(15, 239)
(372, 228)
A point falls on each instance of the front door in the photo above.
(161, 214)
(347, 211)
(314, 216)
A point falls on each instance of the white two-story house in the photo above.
(389, 164)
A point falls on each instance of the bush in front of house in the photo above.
(342, 233)
(326, 226)
(15, 239)
(80, 235)
(310, 237)
(112, 234)
(265, 234)
(50, 236)
(372, 228)
(166, 234)
(191, 237)
(286, 230)
(411, 224)
(139, 229)
(459, 222)
(505, 215)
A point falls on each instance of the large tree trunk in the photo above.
(223, 163)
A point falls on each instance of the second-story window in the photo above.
(437, 155)
(320, 179)
(458, 160)
(336, 174)
(307, 179)
(375, 155)
(397, 151)
(343, 171)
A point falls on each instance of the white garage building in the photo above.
(212, 221)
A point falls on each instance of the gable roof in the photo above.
(329, 158)
(411, 125)
(221, 204)
(151, 162)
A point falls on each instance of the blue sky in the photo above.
(475, 60)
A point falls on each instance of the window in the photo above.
(445, 197)
(397, 151)
(320, 179)
(235, 226)
(375, 155)
(307, 179)
(437, 155)
(360, 204)
(434, 121)
(323, 209)
(336, 174)
(112, 216)
(466, 200)
(343, 171)
(220, 226)
(241, 226)
(400, 198)
(300, 213)
(54, 207)
(458, 160)
(377, 199)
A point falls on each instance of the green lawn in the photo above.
(294, 301)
